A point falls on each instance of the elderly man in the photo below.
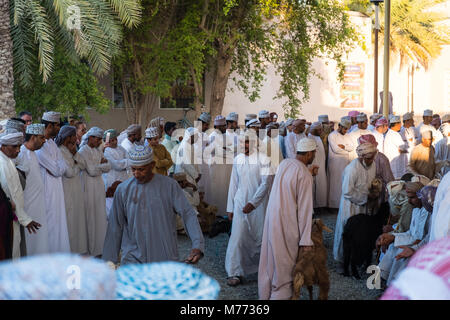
(34, 193)
(94, 190)
(27, 117)
(357, 178)
(362, 123)
(11, 186)
(250, 183)
(264, 118)
(117, 157)
(320, 180)
(287, 227)
(53, 167)
(408, 132)
(77, 226)
(443, 149)
(395, 148)
(422, 161)
(339, 156)
(427, 126)
(373, 119)
(298, 133)
(142, 221)
(272, 145)
(381, 127)
(134, 136)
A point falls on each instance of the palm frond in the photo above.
(24, 50)
(129, 11)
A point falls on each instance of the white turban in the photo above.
(316, 125)
(366, 149)
(306, 144)
(140, 155)
(134, 128)
(253, 123)
(428, 113)
(52, 116)
(263, 114)
(250, 116)
(151, 132)
(233, 116)
(11, 139)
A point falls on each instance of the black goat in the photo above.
(360, 234)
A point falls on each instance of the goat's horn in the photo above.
(327, 229)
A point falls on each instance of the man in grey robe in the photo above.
(142, 221)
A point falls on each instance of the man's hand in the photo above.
(198, 179)
(103, 160)
(406, 253)
(385, 239)
(387, 229)
(304, 249)
(194, 256)
(72, 148)
(13, 206)
(314, 170)
(248, 208)
(341, 146)
(33, 226)
(230, 215)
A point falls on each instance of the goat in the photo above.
(311, 266)
(359, 237)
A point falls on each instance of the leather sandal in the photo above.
(234, 281)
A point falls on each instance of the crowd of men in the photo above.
(123, 197)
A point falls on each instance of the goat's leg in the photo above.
(355, 272)
(324, 283)
(310, 290)
(368, 259)
(298, 282)
(347, 255)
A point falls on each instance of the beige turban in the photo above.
(366, 150)
(413, 186)
(422, 179)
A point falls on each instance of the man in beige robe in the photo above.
(422, 160)
(288, 223)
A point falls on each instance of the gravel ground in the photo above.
(213, 264)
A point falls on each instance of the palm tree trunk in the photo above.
(7, 102)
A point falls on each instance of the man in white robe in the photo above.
(427, 126)
(373, 119)
(440, 220)
(287, 227)
(353, 115)
(117, 157)
(142, 223)
(73, 190)
(205, 182)
(395, 148)
(442, 149)
(34, 193)
(339, 156)
(357, 178)
(264, 118)
(94, 190)
(320, 190)
(409, 132)
(134, 136)
(251, 180)
(381, 127)
(53, 167)
(291, 140)
(10, 183)
(271, 145)
(360, 130)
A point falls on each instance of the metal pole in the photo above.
(407, 100)
(387, 30)
(375, 85)
(412, 88)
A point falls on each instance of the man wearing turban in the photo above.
(422, 161)
(356, 181)
(117, 157)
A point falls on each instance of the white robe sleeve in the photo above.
(233, 187)
(116, 164)
(336, 149)
(263, 189)
(55, 168)
(305, 211)
(290, 147)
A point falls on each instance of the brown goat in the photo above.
(311, 266)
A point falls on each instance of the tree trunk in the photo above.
(220, 80)
(7, 102)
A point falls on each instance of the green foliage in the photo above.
(71, 89)
(37, 26)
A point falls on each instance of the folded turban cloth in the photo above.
(427, 275)
(323, 118)
(353, 114)
(64, 132)
(151, 132)
(413, 186)
(52, 116)
(58, 276)
(289, 122)
(394, 119)
(346, 122)
(220, 121)
(428, 113)
(375, 117)
(164, 281)
(361, 117)
(11, 139)
(15, 124)
(133, 129)
(112, 134)
(316, 125)
(250, 116)
(180, 176)
(253, 123)
(205, 117)
(140, 155)
(233, 116)
(95, 132)
(306, 144)
(396, 195)
(426, 195)
(407, 116)
(35, 129)
(366, 150)
(427, 134)
(156, 122)
(381, 122)
(263, 114)
(420, 178)
(367, 138)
